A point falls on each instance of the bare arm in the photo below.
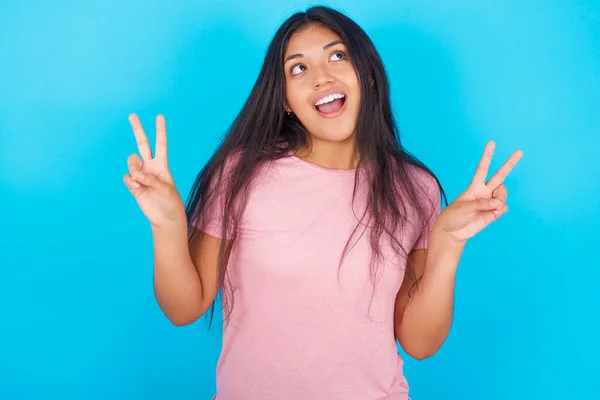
(423, 321)
(423, 325)
(185, 278)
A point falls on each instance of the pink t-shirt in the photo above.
(298, 330)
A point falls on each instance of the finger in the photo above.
(484, 163)
(134, 187)
(161, 137)
(503, 210)
(134, 162)
(474, 206)
(503, 172)
(140, 137)
(151, 181)
(498, 212)
(492, 215)
(500, 193)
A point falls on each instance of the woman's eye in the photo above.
(296, 69)
(339, 54)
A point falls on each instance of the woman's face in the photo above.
(322, 86)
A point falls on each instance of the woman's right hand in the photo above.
(150, 180)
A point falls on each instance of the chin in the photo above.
(333, 132)
(337, 137)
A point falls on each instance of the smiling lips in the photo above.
(331, 105)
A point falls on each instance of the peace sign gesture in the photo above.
(150, 180)
(481, 203)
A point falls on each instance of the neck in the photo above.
(331, 155)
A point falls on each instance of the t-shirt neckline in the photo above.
(321, 169)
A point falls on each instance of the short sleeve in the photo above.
(213, 213)
(209, 217)
(431, 201)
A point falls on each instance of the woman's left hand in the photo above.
(481, 203)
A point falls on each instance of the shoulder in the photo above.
(228, 162)
(241, 161)
(425, 183)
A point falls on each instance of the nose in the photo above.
(322, 77)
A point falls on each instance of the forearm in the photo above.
(177, 284)
(428, 316)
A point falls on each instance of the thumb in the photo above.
(152, 181)
(470, 207)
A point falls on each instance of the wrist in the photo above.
(443, 250)
(445, 240)
(170, 229)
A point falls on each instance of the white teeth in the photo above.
(329, 99)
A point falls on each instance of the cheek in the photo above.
(297, 98)
(289, 90)
(349, 78)
(353, 83)
(294, 96)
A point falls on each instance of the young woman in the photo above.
(323, 235)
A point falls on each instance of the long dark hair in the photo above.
(264, 132)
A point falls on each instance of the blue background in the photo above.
(79, 319)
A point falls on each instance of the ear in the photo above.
(371, 82)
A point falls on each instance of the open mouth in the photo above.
(332, 106)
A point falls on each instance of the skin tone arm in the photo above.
(422, 323)
(185, 277)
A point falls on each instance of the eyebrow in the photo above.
(327, 46)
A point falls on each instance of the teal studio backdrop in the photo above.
(78, 315)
